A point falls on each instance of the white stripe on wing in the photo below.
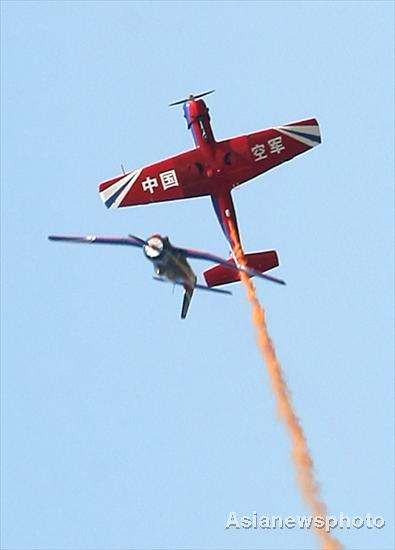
(302, 139)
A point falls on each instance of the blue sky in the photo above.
(122, 426)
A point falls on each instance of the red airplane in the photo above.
(214, 168)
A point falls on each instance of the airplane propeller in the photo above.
(190, 98)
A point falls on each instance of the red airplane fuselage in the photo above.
(215, 162)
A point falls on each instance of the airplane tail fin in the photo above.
(258, 261)
(186, 301)
(189, 291)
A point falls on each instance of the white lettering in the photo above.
(232, 521)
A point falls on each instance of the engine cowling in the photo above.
(154, 248)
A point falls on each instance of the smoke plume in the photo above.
(300, 453)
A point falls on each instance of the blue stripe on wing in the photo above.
(313, 137)
(114, 197)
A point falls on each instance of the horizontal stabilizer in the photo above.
(257, 261)
(197, 285)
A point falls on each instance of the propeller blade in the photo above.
(137, 239)
(203, 94)
(179, 102)
(190, 98)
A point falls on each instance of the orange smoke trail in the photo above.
(300, 452)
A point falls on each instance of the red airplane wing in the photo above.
(253, 154)
(177, 177)
(213, 171)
